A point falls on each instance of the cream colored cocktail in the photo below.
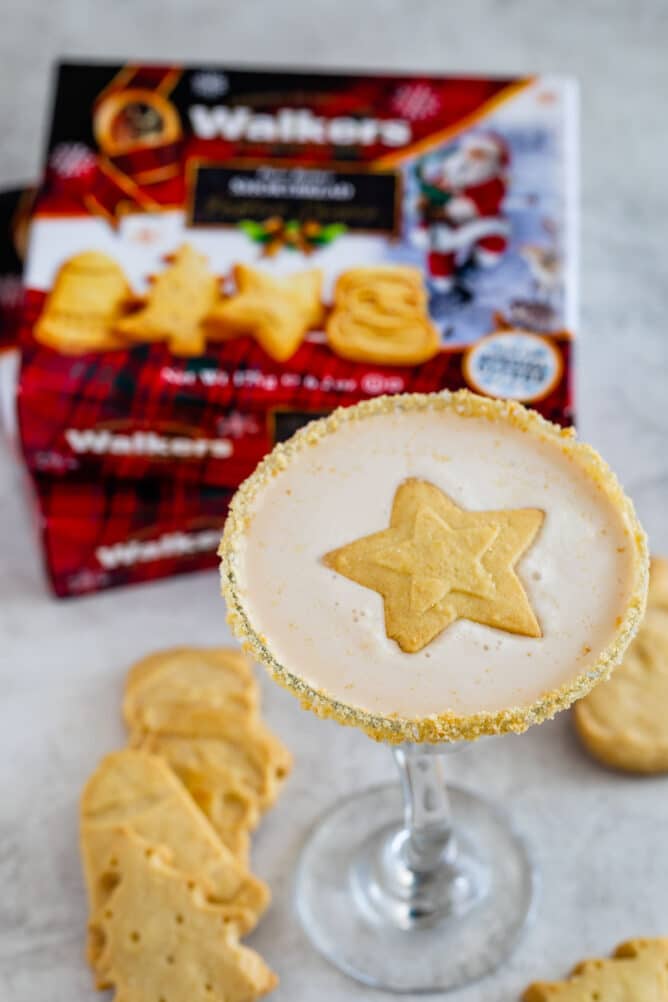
(430, 569)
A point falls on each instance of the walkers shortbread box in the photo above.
(218, 255)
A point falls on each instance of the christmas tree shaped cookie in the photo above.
(160, 938)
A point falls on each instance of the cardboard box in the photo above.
(217, 255)
(471, 181)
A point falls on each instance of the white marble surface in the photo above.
(599, 839)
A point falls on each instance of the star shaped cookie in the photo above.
(277, 312)
(437, 563)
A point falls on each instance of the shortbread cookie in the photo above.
(242, 754)
(189, 690)
(277, 312)
(177, 302)
(160, 940)
(638, 972)
(88, 298)
(138, 791)
(229, 806)
(176, 698)
(624, 722)
(304, 286)
(437, 563)
(380, 315)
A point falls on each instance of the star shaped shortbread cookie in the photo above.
(438, 563)
(277, 312)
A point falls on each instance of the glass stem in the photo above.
(428, 840)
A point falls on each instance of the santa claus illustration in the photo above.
(461, 206)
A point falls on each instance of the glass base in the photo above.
(392, 928)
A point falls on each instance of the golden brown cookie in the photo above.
(380, 315)
(438, 563)
(637, 972)
(196, 708)
(138, 791)
(242, 754)
(396, 275)
(624, 722)
(177, 302)
(159, 939)
(232, 810)
(277, 312)
(89, 296)
(189, 690)
(304, 286)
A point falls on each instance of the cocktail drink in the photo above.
(431, 569)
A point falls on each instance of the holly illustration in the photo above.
(275, 234)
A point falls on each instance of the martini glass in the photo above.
(415, 886)
(421, 886)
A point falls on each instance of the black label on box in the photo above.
(326, 196)
(287, 422)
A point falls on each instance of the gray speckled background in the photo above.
(599, 838)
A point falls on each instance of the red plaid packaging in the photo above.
(100, 535)
(468, 180)
(210, 420)
(192, 253)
